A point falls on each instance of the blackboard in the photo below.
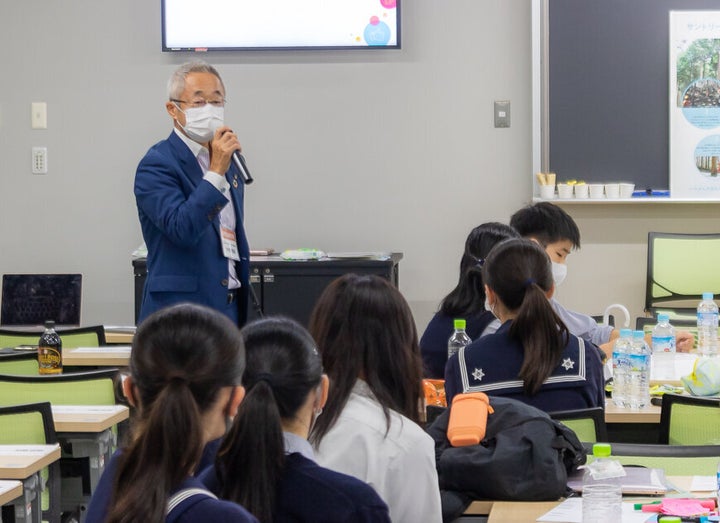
(608, 89)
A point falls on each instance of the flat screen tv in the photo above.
(233, 25)
(30, 299)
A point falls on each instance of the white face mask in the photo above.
(559, 271)
(488, 307)
(202, 122)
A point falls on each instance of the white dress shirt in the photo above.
(399, 465)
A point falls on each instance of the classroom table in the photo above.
(529, 511)
(108, 356)
(118, 337)
(614, 414)
(24, 462)
(87, 440)
(9, 490)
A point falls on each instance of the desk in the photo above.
(529, 511)
(9, 491)
(119, 335)
(615, 414)
(109, 356)
(87, 441)
(24, 462)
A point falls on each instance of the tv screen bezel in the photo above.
(396, 46)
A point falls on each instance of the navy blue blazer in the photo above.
(179, 218)
(310, 493)
(491, 365)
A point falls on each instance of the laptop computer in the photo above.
(28, 300)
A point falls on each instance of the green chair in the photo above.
(32, 424)
(689, 420)
(90, 336)
(587, 424)
(675, 460)
(74, 388)
(680, 267)
(19, 362)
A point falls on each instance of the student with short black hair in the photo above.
(185, 369)
(369, 429)
(532, 357)
(466, 300)
(265, 462)
(559, 235)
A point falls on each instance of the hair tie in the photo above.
(264, 376)
(177, 380)
(480, 262)
(529, 282)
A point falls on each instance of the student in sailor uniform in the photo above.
(185, 370)
(466, 300)
(265, 462)
(532, 357)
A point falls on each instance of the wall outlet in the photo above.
(39, 160)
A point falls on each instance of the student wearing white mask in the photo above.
(557, 232)
(190, 202)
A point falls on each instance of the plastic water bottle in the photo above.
(707, 325)
(459, 338)
(663, 335)
(621, 368)
(639, 379)
(602, 491)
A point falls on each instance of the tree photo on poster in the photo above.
(695, 104)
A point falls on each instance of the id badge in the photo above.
(229, 243)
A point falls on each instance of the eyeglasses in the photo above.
(201, 102)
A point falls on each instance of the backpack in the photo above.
(525, 456)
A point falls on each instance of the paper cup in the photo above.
(564, 190)
(612, 190)
(597, 190)
(547, 192)
(626, 190)
(581, 191)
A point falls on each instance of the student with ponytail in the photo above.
(265, 462)
(185, 369)
(532, 357)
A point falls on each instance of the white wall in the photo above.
(390, 150)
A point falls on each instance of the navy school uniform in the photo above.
(197, 509)
(310, 493)
(434, 341)
(491, 365)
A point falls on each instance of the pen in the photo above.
(639, 506)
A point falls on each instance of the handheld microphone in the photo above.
(239, 162)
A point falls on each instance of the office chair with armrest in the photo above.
(32, 424)
(689, 420)
(675, 460)
(680, 267)
(90, 336)
(588, 424)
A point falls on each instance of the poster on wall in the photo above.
(695, 104)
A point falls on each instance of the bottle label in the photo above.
(663, 344)
(639, 362)
(49, 360)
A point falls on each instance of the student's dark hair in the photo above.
(468, 296)
(547, 223)
(364, 329)
(519, 272)
(283, 368)
(181, 358)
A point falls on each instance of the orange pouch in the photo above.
(468, 419)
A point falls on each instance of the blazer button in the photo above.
(224, 282)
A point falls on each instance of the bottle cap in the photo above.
(625, 333)
(638, 334)
(663, 318)
(602, 450)
(459, 323)
(708, 295)
(669, 519)
(49, 324)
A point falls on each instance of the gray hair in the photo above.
(176, 83)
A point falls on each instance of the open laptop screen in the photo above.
(31, 299)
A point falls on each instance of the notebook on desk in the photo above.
(639, 481)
